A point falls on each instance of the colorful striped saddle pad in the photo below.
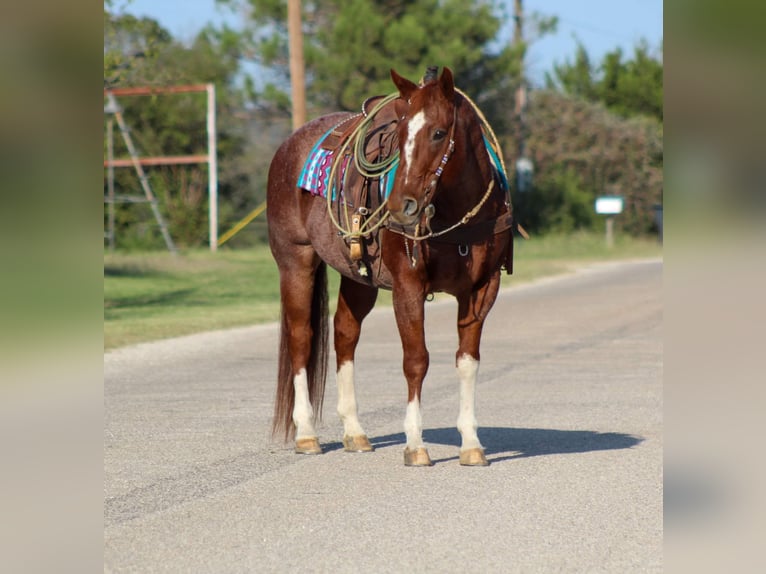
(315, 175)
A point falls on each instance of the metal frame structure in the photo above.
(211, 158)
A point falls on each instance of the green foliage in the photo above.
(128, 41)
(576, 78)
(581, 151)
(150, 296)
(627, 87)
(561, 203)
(350, 46)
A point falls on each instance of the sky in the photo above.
(601, 25)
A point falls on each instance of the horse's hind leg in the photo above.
(303, 348)
(354, 303)
(472, 311)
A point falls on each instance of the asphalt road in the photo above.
(569, 404)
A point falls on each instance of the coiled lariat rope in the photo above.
(366, 169)
(371, 170)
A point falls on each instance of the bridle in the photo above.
(431, 186)
(429, 211)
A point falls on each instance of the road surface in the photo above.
(569, 404)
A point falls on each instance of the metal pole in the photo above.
(212, 163)
(141, 174)
(297, 70)
(110, 181)
(610, 231)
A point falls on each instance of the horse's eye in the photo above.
(439, 135)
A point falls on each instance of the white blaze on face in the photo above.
(416, 124)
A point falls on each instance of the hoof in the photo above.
(473, 457)
(417, 457)
(308, 446)
(357, 444)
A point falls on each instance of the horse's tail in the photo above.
(316, 370)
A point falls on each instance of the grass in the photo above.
(155, 295)
(556, 254)
(150, 296)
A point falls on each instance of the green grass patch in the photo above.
(543, 256)
(156, 295)
(149, 296)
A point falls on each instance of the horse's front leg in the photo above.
(409, 300)
(354, 303)
(473, 308)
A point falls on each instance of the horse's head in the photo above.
(426, 128)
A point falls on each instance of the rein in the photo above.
(429, 213)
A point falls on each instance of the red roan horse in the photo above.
(446, 226)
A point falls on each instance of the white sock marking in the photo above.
(467, 370)
(416, 124)
(347, 408)
(413, 425)
(303, 414)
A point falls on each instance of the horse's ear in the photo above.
(406, 87)
(447, 83)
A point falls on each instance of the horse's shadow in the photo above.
(502, 443)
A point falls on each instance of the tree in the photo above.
(598, 130)
(350, 46)
(626, 87)
(576, 78)
(581, 150)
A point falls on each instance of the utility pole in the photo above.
(110, 182)
(212, 163)
(521, 90)
(297, 77)
(518, 15)
(524, 166)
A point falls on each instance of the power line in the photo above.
(595, 29)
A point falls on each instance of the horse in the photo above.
(442, 222)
